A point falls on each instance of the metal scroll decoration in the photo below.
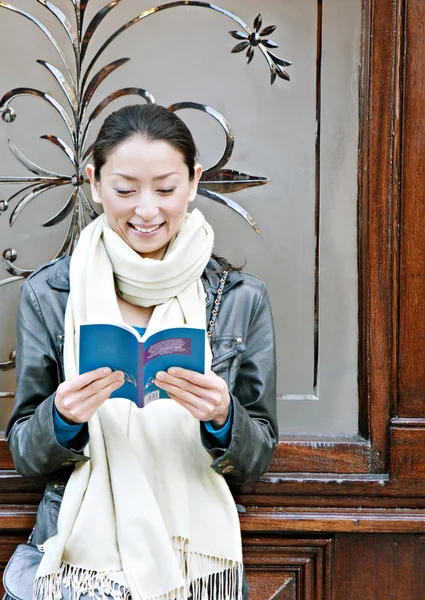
(78, 83)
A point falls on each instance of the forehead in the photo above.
(140, 156)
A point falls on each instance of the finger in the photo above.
(99, 384)
(88, 406)
(181, 394)
(103, 386)
(164, 378)
(81, 381)
(200, 379)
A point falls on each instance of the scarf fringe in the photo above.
(78, 581)
(224, 584)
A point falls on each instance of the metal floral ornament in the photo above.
(78, 83)
(256, 38)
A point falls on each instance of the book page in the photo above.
(177, 347)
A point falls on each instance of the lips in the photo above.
(150, 229)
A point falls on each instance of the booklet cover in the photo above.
(120, 347)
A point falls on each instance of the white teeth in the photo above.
(144, 230)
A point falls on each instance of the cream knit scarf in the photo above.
(146, 517)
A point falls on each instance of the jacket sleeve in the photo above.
(254, 430)
(30, 432)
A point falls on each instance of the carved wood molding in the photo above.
(298, 568)
(341, 520)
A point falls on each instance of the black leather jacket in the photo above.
(243, 354)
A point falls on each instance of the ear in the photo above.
(94, 184)
(194, 182)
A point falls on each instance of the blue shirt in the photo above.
(65, 433)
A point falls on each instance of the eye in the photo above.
(165, 192)
(123, 192)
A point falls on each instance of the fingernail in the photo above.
(160, 375)
(172, 371)
(107, 371)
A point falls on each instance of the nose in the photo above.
(146, 207)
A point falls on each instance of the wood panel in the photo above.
(412, 309)
(289, 567)
(379, 567)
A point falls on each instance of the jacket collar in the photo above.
(58, 277)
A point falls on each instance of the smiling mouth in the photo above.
(145, 229)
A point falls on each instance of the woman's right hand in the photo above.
(79, 398)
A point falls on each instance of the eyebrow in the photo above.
(159, 177)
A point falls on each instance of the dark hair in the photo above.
(151, 121)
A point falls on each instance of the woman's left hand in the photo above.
(206, 397)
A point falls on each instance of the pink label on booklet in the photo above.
(165, 347)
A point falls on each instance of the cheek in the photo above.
(114, 207)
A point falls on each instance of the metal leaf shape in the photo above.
(27, 199)
(279, 61)
(249, 54)
(45, 31)
(9, 96)
(271, 64)
(93, 25)
(230, 204)
(92, 212)
(239, 35)
(57, 141)
(230, 140)
(240, 47)
(117, 94)
(64, 211)
(87, 155)
(97, 80)
(268, 30)
(258, 22)
(67, 243)
(64, 21)
(30, 165)
(21, 191)
(229, 181)
(269, 44)
(282, 73)
(81, 6)
(66, 88)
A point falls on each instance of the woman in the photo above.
(146, 511)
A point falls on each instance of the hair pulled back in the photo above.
(151, 121)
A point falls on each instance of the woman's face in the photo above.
(145, 190)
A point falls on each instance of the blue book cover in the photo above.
(120, 347)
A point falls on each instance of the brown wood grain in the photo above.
(308, 560)
(412, 308)
(264, 585)
(379, 567)
(325, 519)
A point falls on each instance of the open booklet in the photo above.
(120, 347)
